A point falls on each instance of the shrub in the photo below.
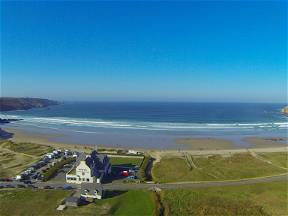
(144, 171)
(52, 171)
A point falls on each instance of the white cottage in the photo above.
(92, 190)
(89, 169)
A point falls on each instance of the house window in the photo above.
(87, 179)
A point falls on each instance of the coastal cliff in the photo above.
(9, 103)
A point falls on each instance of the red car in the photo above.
(125, 173)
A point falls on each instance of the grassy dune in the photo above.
(261, 199)
(279, 159)
(212, 168)
(27, 148)
(15, 157)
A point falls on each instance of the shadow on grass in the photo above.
(114, 193)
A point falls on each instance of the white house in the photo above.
(92, 190)
(89, 169)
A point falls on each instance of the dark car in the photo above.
(67, 187)
(6, 179)
(48, 187)
(27, 182)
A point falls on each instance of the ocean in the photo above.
(151, 124)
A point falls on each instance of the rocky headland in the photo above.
(11, 103)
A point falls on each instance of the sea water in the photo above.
(151, 124)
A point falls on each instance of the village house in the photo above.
(89, 169)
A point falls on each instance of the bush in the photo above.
(144, 172)
(51, 172)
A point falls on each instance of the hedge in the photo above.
(52, 171)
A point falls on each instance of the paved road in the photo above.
(193, 184)
(128, 186)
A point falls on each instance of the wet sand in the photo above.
(266, 142)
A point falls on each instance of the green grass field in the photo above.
(126, 161)
(45, 202)
(30, 202)
(212, 168)
(261, 199)
(131, 203)
(15, 157)
(279, 158)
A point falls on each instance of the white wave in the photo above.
(136, 125)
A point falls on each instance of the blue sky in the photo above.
(168, 51)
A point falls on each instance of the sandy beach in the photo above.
(205, 145)
(44, 139)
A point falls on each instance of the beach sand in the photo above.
(205, 145)
(44, 139)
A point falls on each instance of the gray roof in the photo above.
(95, 161)
(91, 187)
(72, 199)
(81, 157)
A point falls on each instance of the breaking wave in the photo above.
(79, 124)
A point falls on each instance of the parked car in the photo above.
(48, 187)
(67, 187)
(6, 179)
(27, 182)
(131, 177)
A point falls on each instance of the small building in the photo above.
(72, 201)
(92, 190)
(61, 207)
(89, 169)
(133, 152)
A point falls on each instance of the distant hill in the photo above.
(11, 103)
